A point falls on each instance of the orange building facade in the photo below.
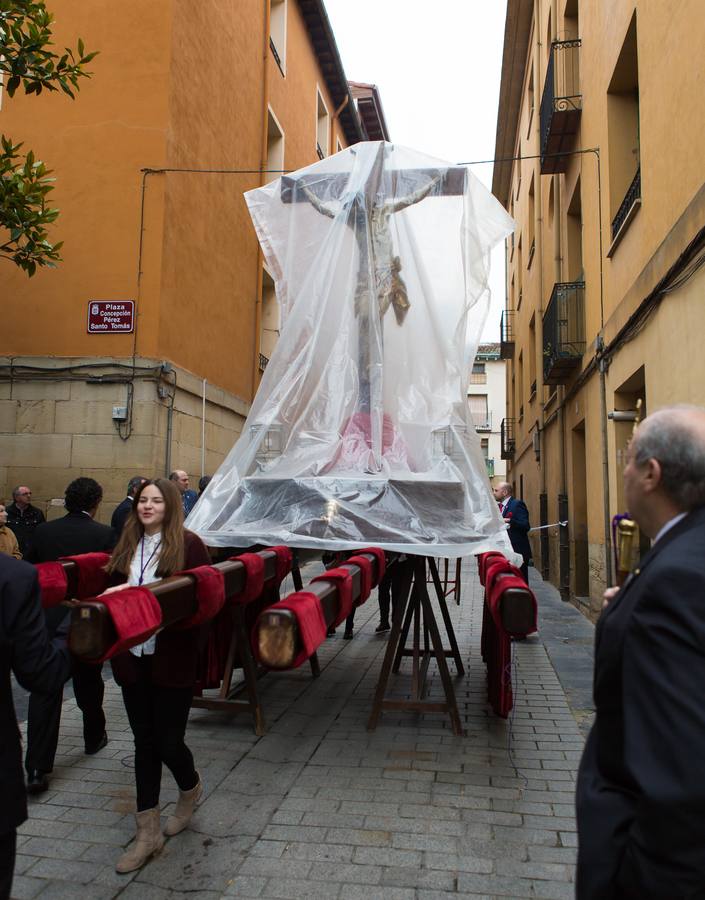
(190, 105)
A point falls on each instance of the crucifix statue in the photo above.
(366, 204)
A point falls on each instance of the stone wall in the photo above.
(56, 426)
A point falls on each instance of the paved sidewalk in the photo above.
(321, 808)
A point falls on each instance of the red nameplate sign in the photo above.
(111, 316)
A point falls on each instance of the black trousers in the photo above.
(44, 710)
(524, 569)
(389, 590)
(158, 718)
(8, 843)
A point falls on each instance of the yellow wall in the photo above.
(671, 122)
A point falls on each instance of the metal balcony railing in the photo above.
(508, 441)
(263, 360)
(489, 463)
(319, 151)
(561, 106)
(483, 423)
(506, 334)
(631, 198)
(563, 331)
(275, 54)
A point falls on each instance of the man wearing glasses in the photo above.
(23, 518)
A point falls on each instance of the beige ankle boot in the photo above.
(148, 841)
(185, 806)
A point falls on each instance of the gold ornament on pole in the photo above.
(625, 531)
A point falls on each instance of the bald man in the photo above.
(188, 497)
(516, 515)
(641, 791)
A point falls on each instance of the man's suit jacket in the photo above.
(38, 666)
(120, 513)
(188, 499)
(518, 527)
(641, 788)
(73, 534)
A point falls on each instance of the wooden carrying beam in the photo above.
(277, 631)
(92, 631)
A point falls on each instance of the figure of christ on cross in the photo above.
(367, 210)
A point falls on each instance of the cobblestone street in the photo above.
(320, 807)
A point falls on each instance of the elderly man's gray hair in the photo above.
(671, 437)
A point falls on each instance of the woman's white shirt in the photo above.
(143, 570)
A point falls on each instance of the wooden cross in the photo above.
(367, 211)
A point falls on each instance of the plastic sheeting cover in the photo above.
(360, 432)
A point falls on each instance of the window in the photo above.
(531, 225)
(275, 147)
(270, 318)
(532, 357)
(574, 222)
(623, 136)
(479, 374)
(520, 385)
(277, 32)
(322, 126)
(530, 103)
(518, 165)
(478, 410)
(485, 447)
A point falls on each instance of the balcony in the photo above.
(561, 106)
(507, 437)
(506, 335)
(489, 463)
(263, 360)
(563, 332)
(319, 151)
(628, 207)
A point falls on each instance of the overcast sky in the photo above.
(437, 66)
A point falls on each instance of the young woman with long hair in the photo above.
(158, 676)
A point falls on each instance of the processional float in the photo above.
(359, 433)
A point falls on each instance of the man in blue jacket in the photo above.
(516, 515)
(188, 497)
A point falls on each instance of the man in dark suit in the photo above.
(516, 515)
(641, 793)
(188, 497)
(77, 532)
(120, 512)
(38, 666)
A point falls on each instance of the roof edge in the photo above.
(517, 29)
(338, 85)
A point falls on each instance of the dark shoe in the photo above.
(348, 635)
(383, 626)
(37, 781)
(99, 746)
(330, 632)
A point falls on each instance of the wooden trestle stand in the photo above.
(416, 605)
(279, 642)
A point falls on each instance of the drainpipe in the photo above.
(538, 328)
(602, 366)
(263, 178)
(203, 430)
